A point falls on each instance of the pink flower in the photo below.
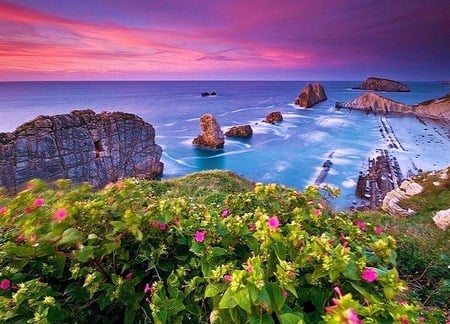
(361, 225)
(285, 293)
(129, 276)
(227, 278)
(249, 268)
(351, 316)
(20, 238)
(273, 222)
(147, 288)
(338, 291)
(199, 236)
(2, 210)
(378, 230)
(225, 213)
(317, 212)
(60, 214)
(5, 284)
(369, 275)
(39, 202)
(404, 320)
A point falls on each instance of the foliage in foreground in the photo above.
(125, 254)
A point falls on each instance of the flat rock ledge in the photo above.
(380, 84)
(82, 146)
(211, 135)
(392, 199)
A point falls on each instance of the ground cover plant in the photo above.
(156, 252)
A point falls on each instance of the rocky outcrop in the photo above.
(442, 219)
(392, 199)
(242, 131)
(379, 84)
(82, 146)
(311, 95)
(434, 109)
(273, 117)
(211, 135)
(373, 102)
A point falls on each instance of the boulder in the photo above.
(82, 146)
(442, 219)
(379, 84)
(392, 199)
(211, 135)
(311, 95)
(240, 131)
(274, 116)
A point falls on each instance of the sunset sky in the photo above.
(224, 40)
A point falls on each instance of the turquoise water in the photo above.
(289, 153)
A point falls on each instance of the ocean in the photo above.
(290, 153)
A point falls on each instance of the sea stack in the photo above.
(82, 146)
(273, 117)
(242, 131)
(379, 84)
(311, 95)
(211, 135)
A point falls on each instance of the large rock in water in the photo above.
(273, 117)
(371, 101)
(311, 95)
(82, 146)
(379, 84)
(211, 135)
(240, 131)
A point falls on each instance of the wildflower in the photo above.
(2, 210)
(249, 268)
(338, 291)
(285, 293)
(225, 213)
(162, 226)
(199, 236)
(351, 316)
(39, 202)
(273, 222)
(317, 212)
(148, 300)
(5, 284)
(369, 275)
(252, 226)
(404, 320)
(378, 230)
(227, 278)
(147, 288)
(129, 276)
(361, 225)
(20, 238)
(49, 300)
(60, 214)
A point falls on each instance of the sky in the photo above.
(224, 40)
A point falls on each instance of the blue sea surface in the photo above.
(289, 153)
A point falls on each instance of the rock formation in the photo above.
(240, 131)
(379, 84)
(311, 95)
(391, 201)
(211, 135)
(438, 109)
(82, 146)
(442, 219)
(273, 117)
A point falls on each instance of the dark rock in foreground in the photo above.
(274, 116)
(240, 131)
(379, 84)
(211, 135)
(82, 146)
(311, 95)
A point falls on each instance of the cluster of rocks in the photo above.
(311, 95)
(82, 146)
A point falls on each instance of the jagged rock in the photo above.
(434, 108)
(211, 135)
(379, 84)
(82, 146)
(442, 219)
(311, 95)
(371, 101)
(391, 201)
(274, 116)
(240, 131)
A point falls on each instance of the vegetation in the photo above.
(209, 247)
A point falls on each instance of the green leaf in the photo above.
(118, 226)
(352, 271)
(261, 319)
(217, 251)
(227, 300)
(111, 247)
(242, 298)
(70, 235)
(276, 294)
(265, 299)
(319, 297)
(291, 318)
(84, 254)
(60, 260)
(213, 290)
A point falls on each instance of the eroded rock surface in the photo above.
(82, 146)
(392, 199)
(242, 131)
(211, 135)
(274, 117)
(380, 84)
(311, 95)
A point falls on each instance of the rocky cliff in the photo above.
(379, 84)
(438, 109)
(311, 95)
(82, 146)
(211, 135)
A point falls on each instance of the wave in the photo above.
(349, 183)
(326, 121)
(178, 161)
(313, 136)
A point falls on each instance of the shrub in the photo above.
(125, 254)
